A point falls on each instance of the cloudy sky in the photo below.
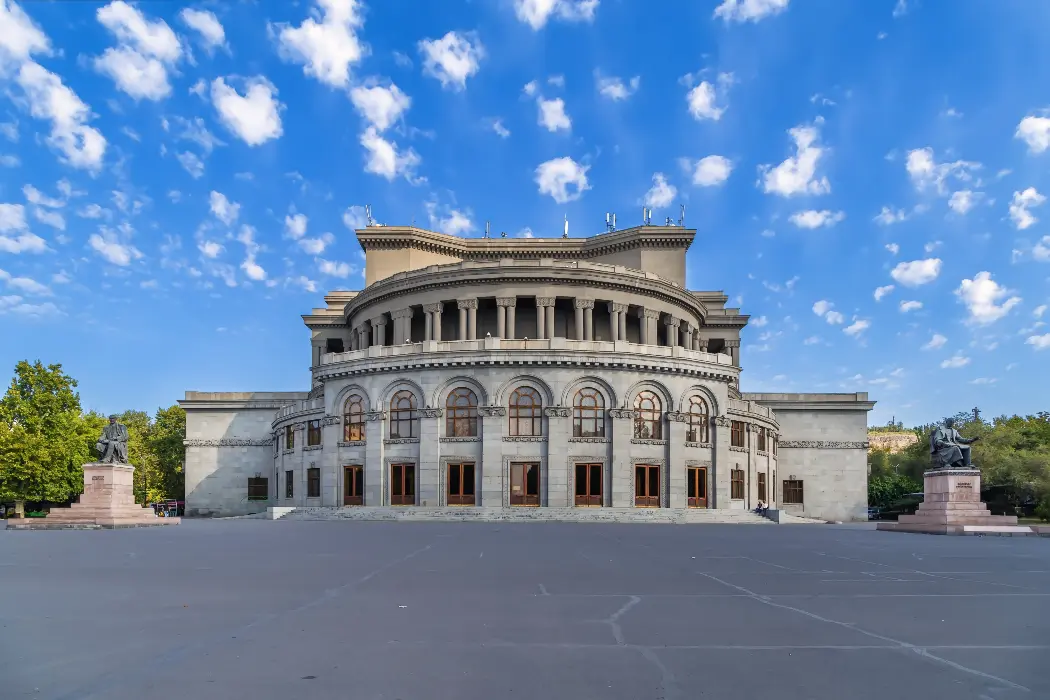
(868, 180)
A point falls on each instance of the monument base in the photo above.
(107, 502)
(952, 506)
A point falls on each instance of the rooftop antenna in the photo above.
(668, 222)
(502, 234)
(565, 234)
(681, 215)
(486, 229)
(610, 222)
(369, 221)
(647, 216)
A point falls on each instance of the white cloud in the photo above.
(1039, 342)
(92, 211)
(252, 269)
(893, 248)
(834, 318)
(1021, 203)
(78, 144)
(295, 226)
(883, 291)
(195, 130)
(982, 297)
(335, 269)
(151, 38)
(454, 222)
(326, 44)
(822, 307)
(556, 80)
(907, 306)
(797, 174)
(316, 246)
(354, 217)
(13, 220)
(925, 171)
(141, 77)
(888, 216)
(552, 114)
(858, 326)
(811, 340)
(207, 25)
(254, 117)
(955, 362)
(191, 163)
(501, 131)
(812, 218)
(50, 217)
(25, 285)
(535, 13)
(702, 102)
(900, 9)
(146, 49)
(661, 194)
(759, 322)
(381, 105)
(709, 171)
(385, 160)
(210, 249)
(8, 160)
(223, 209)
(1039, 311)
(615, 89)
(35, 196)
(452, 59)
(108, 245)
(530, 88)
(305, 282)
(916, 272)
(963, 201)
(983, 381)
(556, 176)
(1041, 250)
(14, 304)
(749, 10)
(937, 341)
(1034, 131)
(20, 37)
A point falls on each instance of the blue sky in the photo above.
(867, 180)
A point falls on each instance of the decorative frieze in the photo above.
(401, 313)
(466, 303)
(401, 441)
(299, 426)
(544, 301)
(524, 438)
(647, 441)
(229, 442)
(672, 322)
(584, 303)
(288, 452)
(597, 440)
(430, 412)
(706, 445)
(460, 439)
(623, 413)
(433, 308)
(676, 417)
(492, 411)
(720, 421)
(734, 448)
(331, 420)
(649, 313)
(616, 307)
(375, 415)
(312, 448)
(506, 301)
(352, 443)
(556, 412)
(825, 444)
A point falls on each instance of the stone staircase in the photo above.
(676, 516)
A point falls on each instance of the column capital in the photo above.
(379, 321)
(544, 301)
(433, 308)
(648, 313)
(584, 303)
(467, 303)
(702, 343)
(506, 301)
(733, 343)
(616, 307)
(672, 321)
(401, 313)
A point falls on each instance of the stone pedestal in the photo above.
(107, 502)
(952, 506)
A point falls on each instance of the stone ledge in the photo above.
(352, 443)
(706, 445)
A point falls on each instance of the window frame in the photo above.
(693, 498)
(648, 419)
(699, 421)
(289, 437)
(403, 412)
(585, 414)
(264, 487)
(760, 440)
(794, 487)
(530, 413)
(524, 499)
(313, 482)
(354, 418)
(289, 483)
(313, 432)
(737, 433)
(461, 413)
(737, 488)
(762, 488)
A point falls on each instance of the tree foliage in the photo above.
(884, 489)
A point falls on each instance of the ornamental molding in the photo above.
(352, 443)
(676, 417)
(705, 445)
(672, 322)
(596, 440)
(316, 393)
(229, 442)
(584, 303)
(506, 301)
(720, 421)
(621, 413)
(556, 412)
(647, 441)
(375, 415)
(648, 313)
(616, 307)
(331, 420)
(466, 303)
(825, 444)
(401, 313)
(524, 438)
(762, 453)
(544, 301)
(460, 439)
(735, 448)
(288, 452)
(492, 411)
(312, 448)
(431, 412)
(378, 321)
(401, 441)
(732, 343)
(433, 308)
(301, 426)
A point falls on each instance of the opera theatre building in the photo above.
(566, 378)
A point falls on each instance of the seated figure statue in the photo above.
(948, 449)
(113, 444)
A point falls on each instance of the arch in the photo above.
(706, 393)
(589, 380)
(648, 415)
(588, 412)
(698, 413)
(383, 404)
(403, 416)
(502, 395)
(440, 394)
(461, 412)
(650, 385)
(353, 416)
(341, 396)
(525, 411)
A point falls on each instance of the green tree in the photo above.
(42, 445)
(885, 489)
(166, 444)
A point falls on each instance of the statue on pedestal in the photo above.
(112, 446)
(948, 449)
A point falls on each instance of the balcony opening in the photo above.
(602, 321)
(388, 334)
(564, 318)
(488, 323)
(449, 321)
(333, 345)
(418, 327)
(716, 345)
(634, 325)
(525, 323)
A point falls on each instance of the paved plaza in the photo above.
(254, 609)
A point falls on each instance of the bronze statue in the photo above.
(113, 445)
(948, 449)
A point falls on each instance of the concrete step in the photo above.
(463, 514)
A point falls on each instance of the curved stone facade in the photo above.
(525, 378)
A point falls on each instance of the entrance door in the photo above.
(353, 486)
(696, 487)
(589, 485)
(646, 486)
(402, 484)
(525, 484)
(461, 484)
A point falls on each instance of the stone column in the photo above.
(734, 351)
(620, 493)
(512, 321)
(428, 329)
(718, 483)
(617, 319)
(429, 457)
(643, 327)
(540, 325)
(622, 334)
(376, 476)
(588, 321)
(677, 424)
(402, 325)
(578, 319)
(554, 484)
(433, 312)
(331, 434)
(492, 421)
(701, 343)
(672, 324)
(472, 320)
(545, 317)
(379, 330)
(649, 318)
(503, 310)
(549, 319)
(462, 305)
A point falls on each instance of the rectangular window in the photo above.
(525, 484)
(460, 484)
(588, 485)
(762, 486)
(761, 440)
(646, 486)
(313, 433)
(793, 491)
(353, 486)
(773, 438)
(736, 434)
(289, 484)
(289, 437)
(736, 484)
(258, 489)
(402, 484)
(696, 487)
(313, 482)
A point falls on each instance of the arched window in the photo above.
(698, 420)
(461, 413)
(526, 417)
(403, 415)
(354, 419)
(588, 413)
(648, 423)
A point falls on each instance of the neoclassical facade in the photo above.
(526, 373)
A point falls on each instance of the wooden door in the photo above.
(353, 486)
(525, 484)
(696, 487)
(646, 486)
(589, 485)
(402, 484)
(460, 484)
